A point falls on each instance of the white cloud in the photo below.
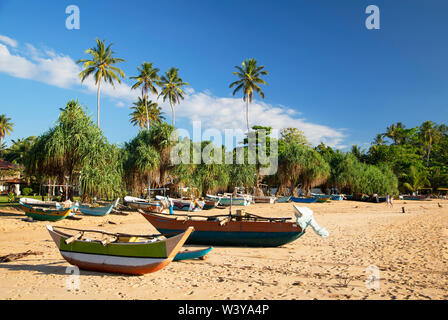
(7, 40)
(227, 113)
(214, 112)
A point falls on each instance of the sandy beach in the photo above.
(409, 250)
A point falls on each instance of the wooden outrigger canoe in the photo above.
(249, 230)
(45, 214)
(97, 211)
(39, 203)
(226, 201)
(210, 204)
(284, 199)
(323, 199)
(270, 200)
(303, 200)
(113, 255)
(145, 205)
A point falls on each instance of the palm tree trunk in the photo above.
(172, 109)
(98, 103)
(247, 115)
(1, 142)
(147, 117)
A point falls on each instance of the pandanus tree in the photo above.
(172, 88)
(102, 67)
(141, 162)
(147, 80)
(74, 151)
(249, 79)
(147, 156)
(5, 128)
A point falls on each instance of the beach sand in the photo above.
(409, 250)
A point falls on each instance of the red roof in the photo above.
(5, 165)
(15, 181)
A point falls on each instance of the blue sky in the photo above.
(328, 74)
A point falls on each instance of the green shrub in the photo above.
(27, 191)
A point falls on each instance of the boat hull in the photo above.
(284, 199)
(232, 233)
(270, 200)
(303, 200)
(42, 214)
(99, 211)
(235, 202)
(193, 254)
(127, 258)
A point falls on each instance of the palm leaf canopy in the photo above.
(5, 125)
(102, 64)
(147, 78)
(249, 75)
(172, 85)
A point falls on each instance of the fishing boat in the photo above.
(188, 254)
(229, 230)
(265, 199)
(45, 214)
(284, 199)
(39, 203)
(97, 211)
(227, 200)
(337, 197)
(147, 205)
(183, 204)
(324, 199)
(420, 197)
(115, 253)
(210, 204)
(303, 199)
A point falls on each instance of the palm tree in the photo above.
(146, 79)
(101, 67)
(5, 128)
(146, 113)
(379, 140)
(249, 79)
(172, 85)
(19, 149)
(430, 135)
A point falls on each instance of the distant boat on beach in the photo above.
(45, 214)
(303, 200)
(97, 211)
(284, 199)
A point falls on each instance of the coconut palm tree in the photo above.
(146, 113)
(17, 152)
(172, 85)
(147, 79)
(5, 127)
(101, 66)
(429, 135)
(249, 75)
